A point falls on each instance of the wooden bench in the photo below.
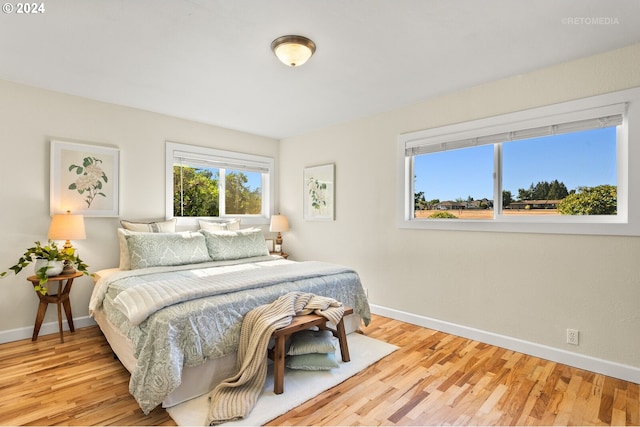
(299, 323)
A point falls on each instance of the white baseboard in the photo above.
(601, 366)
(46, 329)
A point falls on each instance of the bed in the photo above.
(173, 310)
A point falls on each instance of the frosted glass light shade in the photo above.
(293, 50)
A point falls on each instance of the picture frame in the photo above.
(319, 193)
(270, 246)
(84, 179)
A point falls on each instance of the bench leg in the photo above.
(342, 339)
(278, 365)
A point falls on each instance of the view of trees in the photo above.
(200, 193)
(240, 200)
(544, 190)
(598, 200)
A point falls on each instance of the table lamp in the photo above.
(278, 224)
(67, 227)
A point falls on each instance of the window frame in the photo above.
(626, 222)
(233, 160)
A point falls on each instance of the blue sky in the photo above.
(578, 159)
(254, 178)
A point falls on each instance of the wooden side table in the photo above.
(60, 299)
(282, 254)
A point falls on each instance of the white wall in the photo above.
(530, 287)
(29, 119)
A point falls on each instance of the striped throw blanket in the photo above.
(235, 397)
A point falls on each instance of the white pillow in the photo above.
(125, 263)
(220, 225)
(168, 226)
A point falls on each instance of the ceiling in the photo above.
(210, 60)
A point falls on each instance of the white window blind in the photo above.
(607, 116)
(187, 159)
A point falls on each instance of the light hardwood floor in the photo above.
(434, 378)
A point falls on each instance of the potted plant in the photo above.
(45, 258)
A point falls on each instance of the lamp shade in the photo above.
(67, 227)
(293, 50)
(279, 223)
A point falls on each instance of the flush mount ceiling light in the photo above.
(293, 50)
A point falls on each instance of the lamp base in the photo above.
(68, 269)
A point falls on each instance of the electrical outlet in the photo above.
(572, 336)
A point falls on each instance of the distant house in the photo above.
(535, 204)
(449, 205)
(468, 204)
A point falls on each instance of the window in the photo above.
(558, 169)
(567, 174)
(205, 182)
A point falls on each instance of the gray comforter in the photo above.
(196, 311)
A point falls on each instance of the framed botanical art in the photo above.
(84, 179)
(319, 193)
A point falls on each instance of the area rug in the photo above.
(299, 386)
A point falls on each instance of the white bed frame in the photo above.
(196, 380)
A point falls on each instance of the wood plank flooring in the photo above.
(433, 379)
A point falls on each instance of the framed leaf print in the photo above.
(84, 179)
(319, 193)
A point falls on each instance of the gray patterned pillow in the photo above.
(225, 245)
(163, 249)
(312, 362)
(310, 341)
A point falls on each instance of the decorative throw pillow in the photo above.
(227, 245)
(309, 341)
(312, 362)
(131, 227)
(220, 225)
(168, 226)
(163, 249)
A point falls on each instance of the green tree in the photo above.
(544, 190)
(443, 214)
(239, 199)
(419, 201)
(195, 192)
(599, 200)
(557, 191)
(507, 198)
(525, 194)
